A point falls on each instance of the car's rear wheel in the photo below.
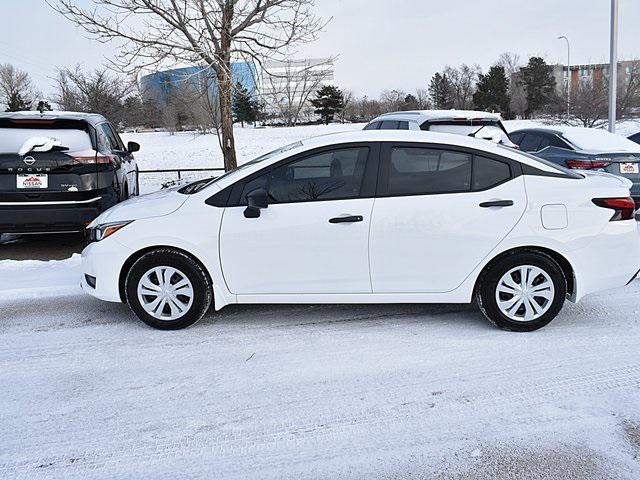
(522, 292)
(168, 290)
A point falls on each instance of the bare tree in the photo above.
(347, 101)
(392, 100)
(97, 91)
(290, 83)
(518, 99)
(16, 90)
(157, 32)
(629, 91)
(463, 79)
(422, 97)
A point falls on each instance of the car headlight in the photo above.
(100, 232)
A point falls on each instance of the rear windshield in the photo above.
(485, 129)
(12, 139)
(599, 140)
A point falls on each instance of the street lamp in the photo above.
(613, 66)
(568, 74)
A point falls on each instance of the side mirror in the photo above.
(256, 199)
(133, 147)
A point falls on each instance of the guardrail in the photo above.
(179, 171)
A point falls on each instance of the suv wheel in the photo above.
(168, 290)
(522, 292)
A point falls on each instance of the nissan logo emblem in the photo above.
(29, 160)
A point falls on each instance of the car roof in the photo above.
(422, 116)
(360, 136)
(93, 118)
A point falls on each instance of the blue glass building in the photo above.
(159, 85)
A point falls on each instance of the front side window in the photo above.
(422, 171)
(389, 125)
(332, 175)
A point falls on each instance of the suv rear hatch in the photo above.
(48, 160)
(487, 128)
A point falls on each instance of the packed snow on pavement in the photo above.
(380, 391)
(308, 392)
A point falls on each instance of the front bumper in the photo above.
(104, 261)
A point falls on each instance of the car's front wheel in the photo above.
(168, 289)
(522, 292)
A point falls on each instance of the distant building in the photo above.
(290, 80)
(592, 72)
(158, 85)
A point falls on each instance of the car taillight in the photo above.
(92, 157)
(624, 207)
(587, 164)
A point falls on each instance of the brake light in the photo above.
(624, 207)
(91, 156)
(587, 164)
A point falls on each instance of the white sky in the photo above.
(382, 44)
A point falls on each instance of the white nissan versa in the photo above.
(371, 217)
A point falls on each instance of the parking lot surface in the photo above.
(312, 392)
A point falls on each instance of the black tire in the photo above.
(202, 291)
(486, 291)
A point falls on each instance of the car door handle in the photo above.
(497, 203)
(347, 219)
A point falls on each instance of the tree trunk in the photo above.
(226, 117)
(225, 89)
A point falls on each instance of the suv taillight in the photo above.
(624, 207)
(90, 156)
(587, 164)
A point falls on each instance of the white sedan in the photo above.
(371, 217)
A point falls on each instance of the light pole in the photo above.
(568, 74)
(613, 66)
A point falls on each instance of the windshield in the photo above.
(200, 185)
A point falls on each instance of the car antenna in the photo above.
(473, 134)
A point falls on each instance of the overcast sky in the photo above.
(381, 44)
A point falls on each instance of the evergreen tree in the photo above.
(16, 102)
(410, 102)
(44, 106)
(539, 85)
(329, 101)
(492, 91)
(245, 107)
(441, 92)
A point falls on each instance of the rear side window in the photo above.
(402, 125)
(530, 142)
(635, 138)
(488, 172)
(389, 125)
(516, 137)
(107, 142)
(12, 139)
(337, 174)
(373, 126)
(422, 171)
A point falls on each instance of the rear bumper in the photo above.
(612, 259)
(53, 215)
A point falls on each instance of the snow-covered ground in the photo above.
(312, 392)
(308, 392)
(162, 150)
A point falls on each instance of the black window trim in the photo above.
(515, 167)
(374, 177)
(367, 189)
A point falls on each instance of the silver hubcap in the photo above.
(525, 293)
(165, 293)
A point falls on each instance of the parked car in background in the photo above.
(484, 125)
(635, 137)
(584, 149)
(370, 217)
(60, 170)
